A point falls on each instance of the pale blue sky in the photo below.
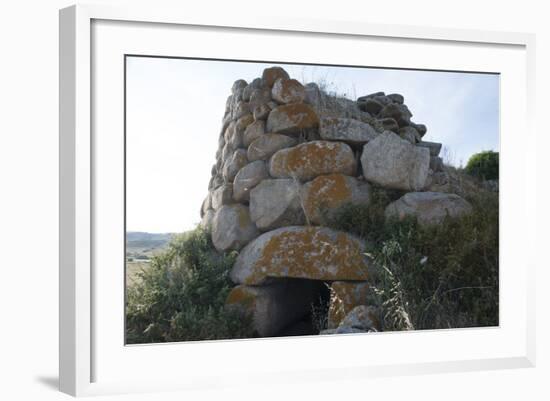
(175, 107)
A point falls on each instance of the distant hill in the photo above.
(142, 245)
(144, 236)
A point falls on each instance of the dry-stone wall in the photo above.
(287, 154)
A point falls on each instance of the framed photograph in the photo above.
(290, 200)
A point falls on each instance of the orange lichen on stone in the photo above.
(310, 253)
(311, 159)
(270, 75)
(296, 116)
(288, 91)
(344, 296)
(326, 191)
(241, 296)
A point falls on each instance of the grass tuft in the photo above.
(181, 296)
(443, 276)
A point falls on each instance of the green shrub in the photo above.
(181, 296)
(483, 165)
(443, 276)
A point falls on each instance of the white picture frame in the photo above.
(80, 227)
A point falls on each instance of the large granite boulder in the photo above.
(311, 159)
(428, 207)
(222, 195)
(315, 253)
(292, 119)
(232, 227)
(327, 193)
(253, 132)
(346, 129)
(274, 306)
(393, 162)
(247, 178)
(234, 133)
(272, 74)
(287, 91)
(259, 97)
(264, 146)
(276, 203)
(344, 296)
(233, 164)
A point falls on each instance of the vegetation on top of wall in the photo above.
(181, 295)
(443, 276)
(483, 165)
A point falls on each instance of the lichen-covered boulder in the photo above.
(233, 164)
(247, 178)
(428, 207)
(393, 162)
(344, 296)
(222, 195)
(232, 227)
(264, 146)
(311, 159)
(292, 119)
(253, 132)
(273, 306)
(276, 203)
(326, 193)
(286, 91)
(346, 129)
(315, 253)
(272, 74)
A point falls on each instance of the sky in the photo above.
(174, 109)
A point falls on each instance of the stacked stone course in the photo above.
(288, 154)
